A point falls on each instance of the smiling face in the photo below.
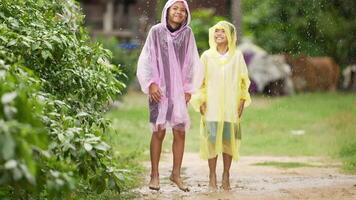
(177, 13)
(220, 36)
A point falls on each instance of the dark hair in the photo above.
(232, 29)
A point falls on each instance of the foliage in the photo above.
(312, 27)
(126, 58)
(22, 135)
(55, 86)
(202, 20)
(159, 6)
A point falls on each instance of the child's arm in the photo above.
(154, 92)
(199, 99)
(192, 73)
(147, 69)
(188, 96)
(241, 107)
(245, 98)
(202, 108)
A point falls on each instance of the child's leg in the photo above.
(212, 174)
(155, 152)
(178, 150)
(227, 159)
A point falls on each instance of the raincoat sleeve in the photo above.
(244, 81)
(200, 96)
(192, 68)
(147, 66)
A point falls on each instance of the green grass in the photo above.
(285, 165)
(327, 119)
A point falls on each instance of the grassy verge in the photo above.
(285, 165)
(318, 124)
(327, 123)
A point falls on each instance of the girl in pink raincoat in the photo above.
(169, 71)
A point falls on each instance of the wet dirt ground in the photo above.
(323, 180)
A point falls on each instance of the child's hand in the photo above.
(154, 92)
(203, 109)
(187, 97)
(241, 108)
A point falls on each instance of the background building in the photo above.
(130, 19)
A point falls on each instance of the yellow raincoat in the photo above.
(225, 83)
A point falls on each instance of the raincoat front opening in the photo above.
(225, 84)
(171, 60)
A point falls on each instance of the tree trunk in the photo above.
(236, 17)
(108, 19)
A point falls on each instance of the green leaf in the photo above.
(11, 164)
(61, 137)
(12, 43)
(8, 97)
(82, 114)
(46, 55)
(59, 182)
(57, 39)
(16, 174)
(55, 174)
(119, 176)
(48, 45)
(27, 174)
(14, 23)
(102, 146)
(54, 114)
(9, 111)
(4, 39)
(35, 46)
(2, 74)
(93, 139)
(8, 149)
(60, 103)
(88, 147)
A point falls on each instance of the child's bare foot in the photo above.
(226, 181)
(212, 182)
(178, 181)
(154, 183)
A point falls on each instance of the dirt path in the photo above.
(251, 182)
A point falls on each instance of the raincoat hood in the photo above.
(230, 32)
(165, 12)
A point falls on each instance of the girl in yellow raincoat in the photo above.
(221, 99)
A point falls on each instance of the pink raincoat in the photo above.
(171, 60)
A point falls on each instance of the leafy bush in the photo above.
(315, 28)
(22, 135)
(126, 58)
(55, 86)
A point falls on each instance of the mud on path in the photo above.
(320, 181)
